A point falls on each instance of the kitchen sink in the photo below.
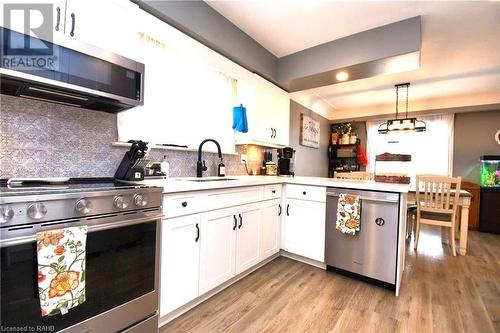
(202, 180)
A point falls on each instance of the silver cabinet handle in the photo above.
(58, 18)
(73, 19)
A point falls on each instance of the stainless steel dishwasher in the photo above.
(371, 254)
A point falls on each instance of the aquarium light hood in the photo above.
(490, 158)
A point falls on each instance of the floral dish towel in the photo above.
(61, 269)
(348, 214)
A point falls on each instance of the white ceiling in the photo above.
(460, 43)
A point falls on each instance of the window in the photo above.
(432, 150)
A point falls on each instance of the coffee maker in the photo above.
(286, 161)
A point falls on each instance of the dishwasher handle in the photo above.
(365, 198)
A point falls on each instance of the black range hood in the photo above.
(85, 76)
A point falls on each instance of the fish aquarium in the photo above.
(490, 170)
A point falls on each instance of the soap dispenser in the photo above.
(221, 169)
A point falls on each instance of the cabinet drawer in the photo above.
(272, 191)
(304, 192)
(184, 204)
(233, 197)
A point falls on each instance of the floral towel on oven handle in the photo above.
(61, 269)
(348, 214)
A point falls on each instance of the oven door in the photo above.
(121, 276)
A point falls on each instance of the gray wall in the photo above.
(473, 137)
(203, 23)
(309, 161)
(40, 139)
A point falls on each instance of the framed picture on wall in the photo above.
(309, 131)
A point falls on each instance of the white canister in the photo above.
(352, 139)
(345, 139)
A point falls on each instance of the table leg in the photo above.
(464, 227)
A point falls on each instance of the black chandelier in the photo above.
(404, 124)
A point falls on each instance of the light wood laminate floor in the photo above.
(439, 293)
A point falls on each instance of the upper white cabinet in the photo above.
(268, 112)
(109, 24)
(186, 99)
(106, 24)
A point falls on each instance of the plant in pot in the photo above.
(335, 134)
(345, 129)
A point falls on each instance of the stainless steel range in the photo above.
(122, 254)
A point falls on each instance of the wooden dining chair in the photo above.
(355, 175)
(437, 204)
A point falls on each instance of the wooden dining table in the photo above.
(464, 204)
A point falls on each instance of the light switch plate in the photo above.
(243, 158)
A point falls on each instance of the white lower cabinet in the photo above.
(248, 237)
(217, 252)
(230, 243)
(179, 262)
(202, 251)
(304, 229)
(271, 212)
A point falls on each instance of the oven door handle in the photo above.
(91, 228)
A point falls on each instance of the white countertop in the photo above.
(175, 185)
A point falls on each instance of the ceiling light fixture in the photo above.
(342, 76)
(405, 124)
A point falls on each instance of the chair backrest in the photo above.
(438, 194)
(355, 175)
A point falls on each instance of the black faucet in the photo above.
(200, 165)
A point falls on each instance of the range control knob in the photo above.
(37, 210)
(141, 200)
(6, 214)
(83, 206)
(119, 202)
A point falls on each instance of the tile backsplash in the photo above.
(40, 139)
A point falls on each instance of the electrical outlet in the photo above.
(243, 158)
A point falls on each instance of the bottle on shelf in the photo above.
(165, 166)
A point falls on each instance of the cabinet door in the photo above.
(305, 229)
(248, 237)
(281, 117)
(106, 24)
(217, 254)
(270, 224)
(268, 113)
(180, 256)
(56, 8)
